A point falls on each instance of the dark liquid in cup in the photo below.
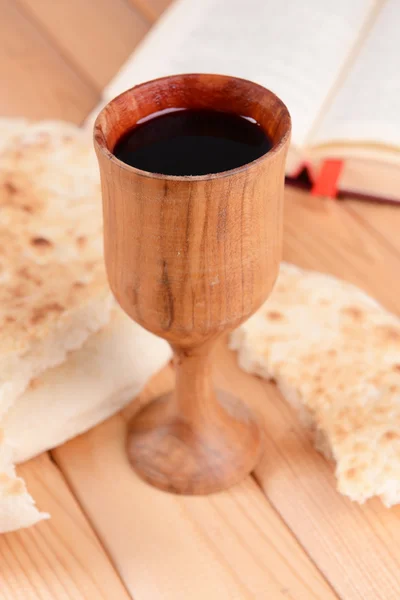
(192, 142)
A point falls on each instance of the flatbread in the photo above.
(94, 382)
(17, 507)
(53, 291)
(59, 375)
(335, 355)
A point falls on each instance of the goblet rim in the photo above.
(100, 141)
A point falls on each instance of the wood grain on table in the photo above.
(37, 81)
(284, 532)
(61, 558)
(93, 37)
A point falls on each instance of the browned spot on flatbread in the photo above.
(390, 436)
(342, 413)
(274, 315)
(41, 242)
(352, 311)
(351, 473)
(10, 188)
(389, 333)
(42, 139)
(25, 273)
(40, 313)
(396, 368)
(339, 432)
(18, 291)
(15, 488)
(358, 422)
(81, 241)
(388, 470)
(34, 384)
(360, 447)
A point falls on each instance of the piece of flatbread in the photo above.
(53, 291)
(96, 381)
(51, 299)
(17, 507)
(335, 355)
(59, 375)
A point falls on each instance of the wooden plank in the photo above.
(59, 559)
(96, 36)
(151, 9)
(384, 219)
(37, 81)
(228, 545)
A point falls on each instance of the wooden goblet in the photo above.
(189, 258)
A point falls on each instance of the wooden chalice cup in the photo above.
(189, 258)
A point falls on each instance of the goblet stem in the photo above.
(194, 398)
(194, 440)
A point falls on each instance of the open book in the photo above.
(334, 63)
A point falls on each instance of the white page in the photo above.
(366, 108)
(296, 48)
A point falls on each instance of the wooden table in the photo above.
(284, 532)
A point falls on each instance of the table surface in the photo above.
(284, 532)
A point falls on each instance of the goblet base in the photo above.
(172, 454)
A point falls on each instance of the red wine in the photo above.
(192, 142)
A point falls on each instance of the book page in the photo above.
(296, 49)
(366, 108)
